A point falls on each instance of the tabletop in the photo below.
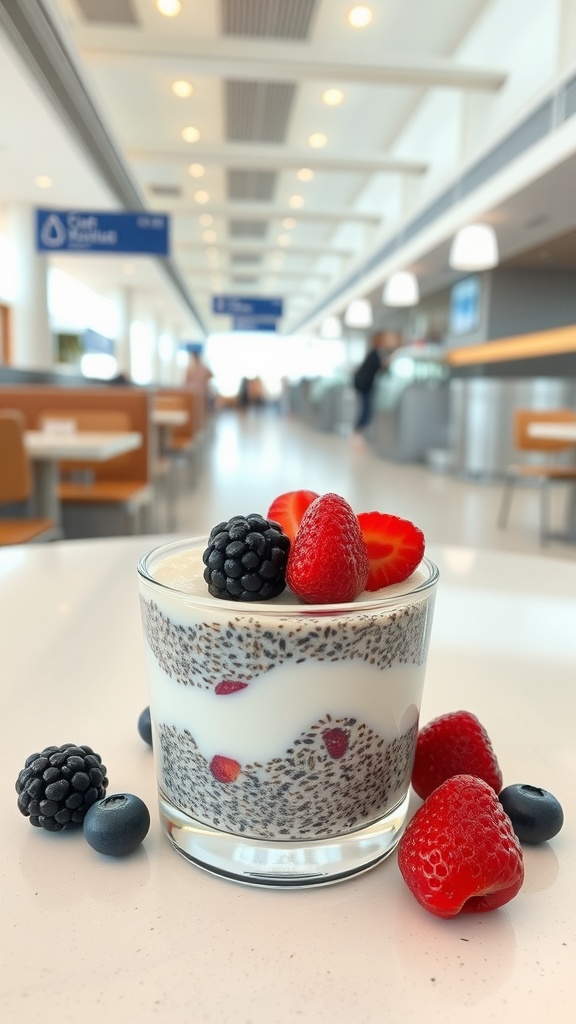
(150, 937)
(97, 446)
(554, 431)
(169, 417)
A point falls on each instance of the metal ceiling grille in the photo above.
(257, 111)
(530, 131)
(269, 19)
(166, 191)
(569, 97)
(108, 12)
(244, 279)
(247, 228)
(251, 185)
(246, 258)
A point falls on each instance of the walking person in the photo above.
(377, 359)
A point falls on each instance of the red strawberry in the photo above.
(459, 852)
(454, 744)
(395, 547)
(327, 562)
(225, 769)
(336, 742)
(288, 509)
(229, 686)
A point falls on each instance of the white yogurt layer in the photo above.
(262, 721)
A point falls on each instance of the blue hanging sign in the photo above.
(94, 231)
(237, 305)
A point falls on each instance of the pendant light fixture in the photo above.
(331, 328)
(474, 247)
(359, 314)
(401, 289)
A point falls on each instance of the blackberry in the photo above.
(57, 786)
(246, 559)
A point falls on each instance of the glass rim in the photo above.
(380, 601)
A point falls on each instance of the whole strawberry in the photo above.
(328, 562)
(454, 744)
(460, 852)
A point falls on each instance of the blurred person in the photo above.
(376, 361)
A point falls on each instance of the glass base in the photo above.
(296, 864)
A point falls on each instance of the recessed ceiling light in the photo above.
(332, 97)
(305, 174)
(182, 89)
(43, 181)
(190, 134)
(206, 219)
(360, 16)
(169, 8)
(196, 170)
(202, 197)
(284, 239)
(209, 235)
(288, 223)
(317, 140)
(296, 202)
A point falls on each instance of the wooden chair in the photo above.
(16, 484)
(545, 472)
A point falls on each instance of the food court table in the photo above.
(46, 449)
(152, 938)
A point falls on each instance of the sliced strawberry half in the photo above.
(288, 509)
(225, 769)
(395, 548)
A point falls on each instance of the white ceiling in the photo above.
(428, 87)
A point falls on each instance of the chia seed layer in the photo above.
(316, 790)
(243, 647)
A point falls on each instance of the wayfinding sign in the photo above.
(238, 306)
(96, 231)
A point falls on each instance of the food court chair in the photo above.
(548, 471)
(16, 484)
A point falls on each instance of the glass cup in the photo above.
(283, 733)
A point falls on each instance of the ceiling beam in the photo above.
(269, 211)
(261, 272)
(266, 61)
(271, 158)
(249, 245)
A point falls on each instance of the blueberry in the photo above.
(117, 824)
(535, 814)
(145, 726)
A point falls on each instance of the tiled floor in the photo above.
(246, 459)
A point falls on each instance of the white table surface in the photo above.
(553, 431)
(152, 938)
(169, 417)
(96, 446)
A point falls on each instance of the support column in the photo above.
(33, 346)
(123, 299)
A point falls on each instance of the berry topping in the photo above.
(454, 744)
(145, 726)
(328, 563)
(246, 559)
(459, 852)
(535, 814)
(225, 769)
(227, 686)
(395, 548)
(288, 509)
(57, 786)
(117, 824)
(336, 742)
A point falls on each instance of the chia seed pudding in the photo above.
(282, 721)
